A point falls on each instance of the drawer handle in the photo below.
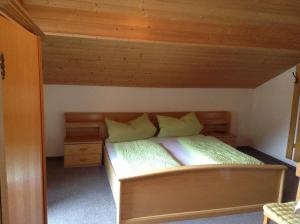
(83, 149)
(83, 160)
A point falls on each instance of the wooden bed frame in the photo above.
(189, 192)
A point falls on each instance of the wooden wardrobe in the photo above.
(21, 126)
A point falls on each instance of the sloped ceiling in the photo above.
(171, 43)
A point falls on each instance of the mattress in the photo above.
(210, 150)
(138, 157)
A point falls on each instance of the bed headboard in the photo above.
(213, 121)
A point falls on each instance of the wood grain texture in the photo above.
(15, 11)
(3, 177)
(82, 145)
(226, 137)
(213, 121)
(149, 198)
(298, 175)
(208, 43)
(235, 23)
(87, 148)
(266, 220)
(22, 121)
(293, 121)
(192, 190)
(82, 160)
(81, 131)
(114, 183)
(41, 77)
(86, 61)
(77, 154)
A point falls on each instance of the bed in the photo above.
(188, 190)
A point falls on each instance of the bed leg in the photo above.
(266, 220)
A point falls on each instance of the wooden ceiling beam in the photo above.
(14, 10)
(111, 24)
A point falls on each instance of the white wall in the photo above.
(271, 115)
(60, 99)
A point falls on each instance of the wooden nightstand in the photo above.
(82, 146)
(82, 153)
(228, 138)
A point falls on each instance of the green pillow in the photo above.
(174, 127)
(139, 128)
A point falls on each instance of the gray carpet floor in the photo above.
(83, 196)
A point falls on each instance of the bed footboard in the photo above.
(198, 191)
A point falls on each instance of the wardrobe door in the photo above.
(22, 124)
(2, 162)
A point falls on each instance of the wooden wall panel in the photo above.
(22, 121)
(70, 60)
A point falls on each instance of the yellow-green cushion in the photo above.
(282, 213)
(140, 128)
(174, 127)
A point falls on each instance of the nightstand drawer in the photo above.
(82, 160)
(74, 149)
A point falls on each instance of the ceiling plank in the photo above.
(242, 23)
(211, 11)
(170, 43)
(82, 61)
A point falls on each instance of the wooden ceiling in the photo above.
(171, 43)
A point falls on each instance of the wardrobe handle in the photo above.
(2, 66)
